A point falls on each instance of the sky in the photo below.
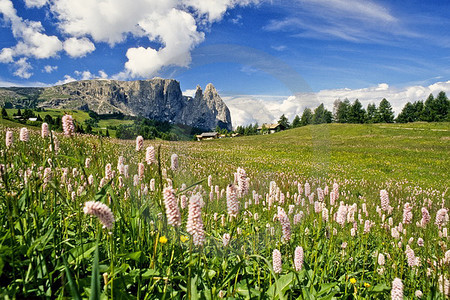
(266, 58)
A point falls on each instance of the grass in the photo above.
(50, 248)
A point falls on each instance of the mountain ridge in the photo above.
(156, 98)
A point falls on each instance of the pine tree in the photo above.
(307, 117)
(371, 113)
(428, 113)
(342, 111)
(296, 122)
(322, 115)
(408, 114)
(284, 122)
(441, 107)
(4, 113)
(356, 114)
(385, 113)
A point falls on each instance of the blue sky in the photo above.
(254, 52)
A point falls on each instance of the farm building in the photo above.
(207, 136)
(270, 128)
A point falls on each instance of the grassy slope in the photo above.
(418, 153)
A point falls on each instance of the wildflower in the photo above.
(209, 180)
(44, 130)
(420, 242)
(139, 143)
(174, 162)
(232, 202)
(9, 140)
(444, 285)
(163, 240)
(353, 280)
(441, 217)
(341, 215)
(108, 172)
(367, 285)
(184, 238)
(101, 211)
(172, 210)
(276, 261)
(285, 223)
(150, 155)
(298, 258)
(195, 223)
(411, 257)
(418, 294)
(67, 124)
(226, 239)
(23, 134)
(381, 259)
(425, 217)
(407, 213)
(397, 289)
(307, 189)
(384, 197)
(242, 181)
(141, 169)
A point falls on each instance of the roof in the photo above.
(208, 134)
(268, 126)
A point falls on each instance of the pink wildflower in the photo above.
(150, 155)
(407, 213)
(298, 258)
(23, 134)
(9, 140)
(44, 130)
(172, 210)
(276, 261)
(67, 124)
(195, 223)
(174, 162)
(141, 170)
(139, 143)
(232, 202)
(441, 217)
(101, 211)
(397, 289)
(384, 197)
(226, 239)
(285, 223)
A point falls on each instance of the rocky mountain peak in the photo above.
(157, 98)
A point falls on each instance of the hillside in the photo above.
(414, 152)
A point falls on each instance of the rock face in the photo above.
(157, 98)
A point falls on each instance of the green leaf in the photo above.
(379, 288)
(95, 279)
(72, 285)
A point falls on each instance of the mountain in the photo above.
(157, 98)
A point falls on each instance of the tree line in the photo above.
(431, 110)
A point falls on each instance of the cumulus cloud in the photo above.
(270, 108)
(49, 69)
(23, 68)
(78, 47)
(35, 3)
(167, 30)
(32, 42)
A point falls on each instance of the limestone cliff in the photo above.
(157, 98)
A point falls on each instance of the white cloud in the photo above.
(35, 3)
(267, 109)
(31, 41)
(189, 92)
(23, 68)
(67, 79)
(78, 47)
(49, 69)
(102, 74)
(177, 32)
(167, 30)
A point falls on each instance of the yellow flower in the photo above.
(366, 284)
(184, 238)
(352, 280)
(163, 240)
